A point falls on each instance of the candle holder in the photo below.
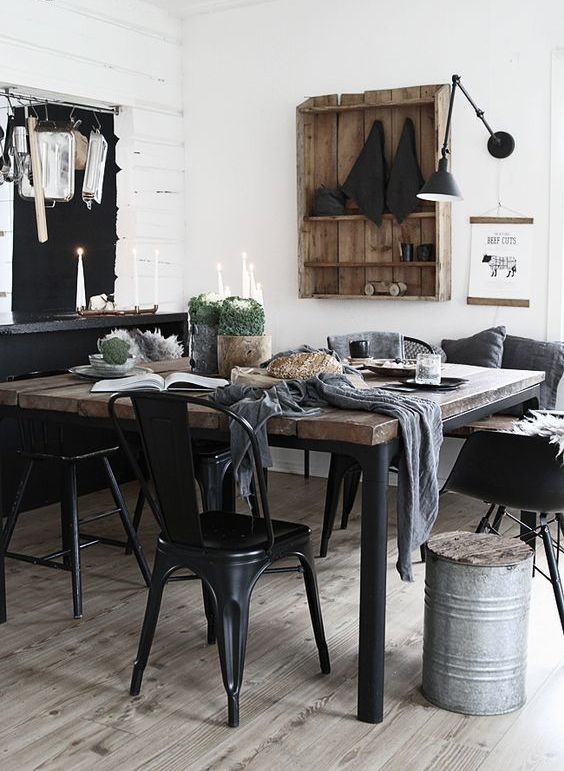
(135, 311)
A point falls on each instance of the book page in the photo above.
(179, 379)
(152, 382)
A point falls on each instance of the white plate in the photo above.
(88, 372)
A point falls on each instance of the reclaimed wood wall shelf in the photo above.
(344, 265)
(360, 217)
(338, 255)
(432, 298)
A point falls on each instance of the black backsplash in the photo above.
(44, 275)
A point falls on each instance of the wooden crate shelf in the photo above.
(338, 255)
(382, 264)
(360, 217)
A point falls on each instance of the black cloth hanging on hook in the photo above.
(366, 183)
(406, 179)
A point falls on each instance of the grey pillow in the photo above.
(524, 353)
(484, 349)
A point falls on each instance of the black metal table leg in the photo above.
(375, 463)
(528, 523)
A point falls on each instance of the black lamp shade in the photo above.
(441, 186)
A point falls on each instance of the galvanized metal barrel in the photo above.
(477, 592)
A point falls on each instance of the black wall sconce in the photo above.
(441, 186)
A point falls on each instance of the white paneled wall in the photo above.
(6, 231)
(126, 53)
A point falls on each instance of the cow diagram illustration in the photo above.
(500, 263)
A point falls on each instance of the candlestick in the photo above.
(220, 288)
(252, 282)
(156, 284)
(80, 286)
(135, 280)
(259, 296)
(245, 282)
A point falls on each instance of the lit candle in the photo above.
(252, 282)
(245, 283)
(220, 289)
(80, 287)
(156, 285)
(227, 292)
(259, 296)
(135, 280)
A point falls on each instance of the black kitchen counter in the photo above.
(40, 342)
(25, 323)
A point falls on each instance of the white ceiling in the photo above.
(187, 7)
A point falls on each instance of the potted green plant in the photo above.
(241, 340)
(204, 319)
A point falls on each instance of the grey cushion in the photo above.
(524, 353)
(381, 345)
(484, 349)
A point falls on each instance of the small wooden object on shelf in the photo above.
(340, 255)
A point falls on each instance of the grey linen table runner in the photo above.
(420, 430)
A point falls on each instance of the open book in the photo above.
(155, 382)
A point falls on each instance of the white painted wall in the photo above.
(246, 69)
(126, 53)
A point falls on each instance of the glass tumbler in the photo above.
(428, 369)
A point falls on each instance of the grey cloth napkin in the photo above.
(421, 434)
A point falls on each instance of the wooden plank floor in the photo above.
(63, 683)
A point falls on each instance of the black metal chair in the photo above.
(515, 471)
(344, 472)
(227, 551)
(41, 442)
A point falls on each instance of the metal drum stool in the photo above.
(477, 591)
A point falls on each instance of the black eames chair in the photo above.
(227, 551)
(515, 471)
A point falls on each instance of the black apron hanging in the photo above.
(366, 183)
(405, 176)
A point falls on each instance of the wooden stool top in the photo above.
(480, 549)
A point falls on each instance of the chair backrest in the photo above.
(36, 435)
(381, 345)
(413, 346)
(524, 353)
(163, 422)
(514, 470)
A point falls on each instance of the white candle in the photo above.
(156, 285)
(252, 282)
(135, 280)
(227, 292)
(220, 289)
(80, 287)
(245, 283)
(259, 296)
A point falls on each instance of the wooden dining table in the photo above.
(370, 438)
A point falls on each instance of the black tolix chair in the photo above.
(44, 443)
(521, 472)
(227, 551)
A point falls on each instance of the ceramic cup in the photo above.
(406, 252)
(425, 252)
(358, 349)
